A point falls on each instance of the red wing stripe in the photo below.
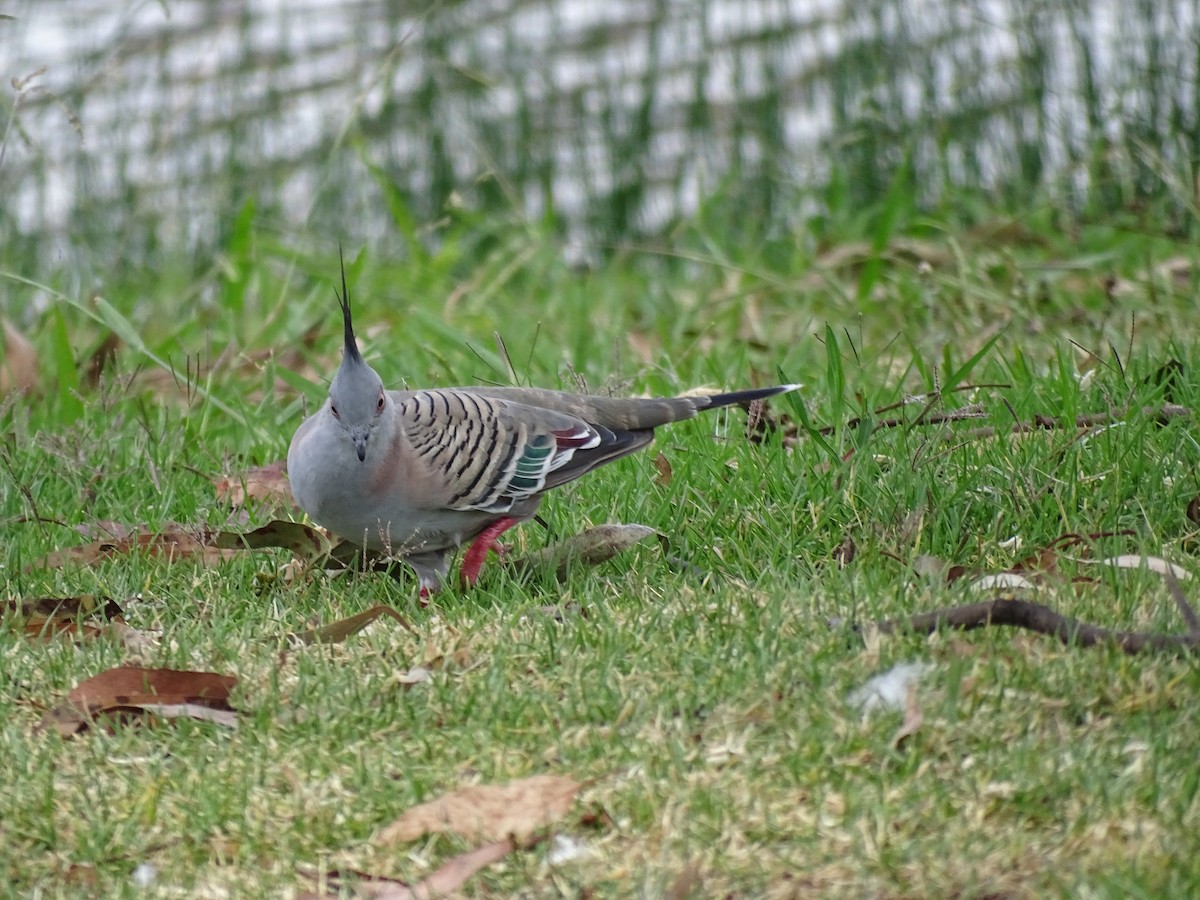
(576, 438)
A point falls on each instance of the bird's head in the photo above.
(357, 399)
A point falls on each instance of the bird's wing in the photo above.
(484, 453)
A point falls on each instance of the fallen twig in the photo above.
(590, 547)
(1043, 620)
(1051, 423)
(925, 417)
(973, 411)
(1181, 603)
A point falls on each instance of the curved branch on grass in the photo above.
(926, 416)
(1051, 423)
(1043, 620)
(1040, 422)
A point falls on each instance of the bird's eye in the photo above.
(379, 403)
(333, 409)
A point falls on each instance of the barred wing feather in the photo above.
(492, 453)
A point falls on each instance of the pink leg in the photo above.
(478, 551)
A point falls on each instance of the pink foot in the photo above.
(478, 551)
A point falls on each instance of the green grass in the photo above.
(709, 715)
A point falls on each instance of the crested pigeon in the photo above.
(416, 474)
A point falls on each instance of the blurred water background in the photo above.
(134, 126)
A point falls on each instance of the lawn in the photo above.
(698, 687)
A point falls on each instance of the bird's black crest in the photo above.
(351, 348)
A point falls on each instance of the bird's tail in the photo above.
(714, 401)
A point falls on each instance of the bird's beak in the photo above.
(358, 435)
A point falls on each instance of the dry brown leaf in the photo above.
(590, 547)
(264, 484)
(134, 690)
(665, 474)
(49, 617)
(338, 631)
(345, 882)
(844, 553)
(1008, 231)
(1193, 510)
(688, 884)
(489, 812)
(170, 545)
(202, 545)
(930, 566)
(852, 255)
(1043, 561)
(82, 876)
(303, 540)
(913, 717)
(452, 875)
(1155, 564)
(103, 357)
(19, 365)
